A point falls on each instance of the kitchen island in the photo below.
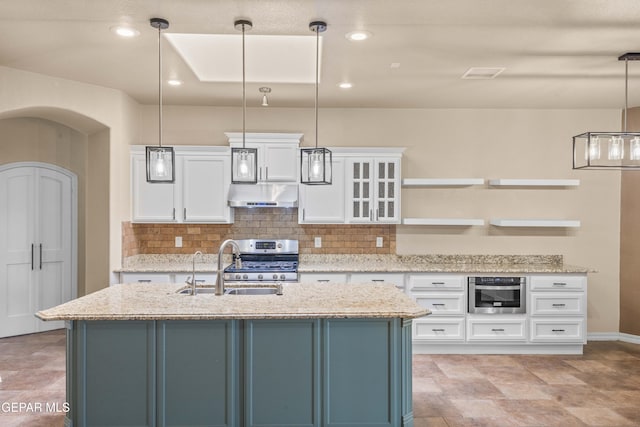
(317, 355)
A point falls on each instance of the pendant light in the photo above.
(587, 146)
(316, 163)
(264, 91)
(160, 160)
(244, 161)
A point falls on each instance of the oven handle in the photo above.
(499, 288)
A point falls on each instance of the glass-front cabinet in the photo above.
(373, 190)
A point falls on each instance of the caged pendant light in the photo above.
(160, 160)
(244, 161)
(316, 163)
(610, 150)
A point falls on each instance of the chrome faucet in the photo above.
(191, 281)
(220, 276)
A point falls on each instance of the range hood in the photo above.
(263, 195)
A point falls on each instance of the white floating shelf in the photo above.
(441, 182)
(442, 221)
(535, 222)
(535, 182)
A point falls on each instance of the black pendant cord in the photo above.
(160, 86)
(317, 79)
(244, 93)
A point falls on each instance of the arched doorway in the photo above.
(38, 235)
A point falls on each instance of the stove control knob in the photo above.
(279, 245)
(275, 277)
(260, 277)
(282, 277)
(245, 277)
(237, 277)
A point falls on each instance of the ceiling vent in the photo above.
(478, 73)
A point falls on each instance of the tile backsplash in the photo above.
(260, 223)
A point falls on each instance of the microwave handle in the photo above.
(499, 288)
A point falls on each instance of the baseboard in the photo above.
(613, 336)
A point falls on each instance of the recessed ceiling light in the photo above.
(479, 73)
(174, 82)
(124, 31)
(358, 36)
(395, 65)
(345, 85)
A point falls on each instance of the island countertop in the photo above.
(158, 301)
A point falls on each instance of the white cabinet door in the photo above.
(150, 202)
(205, 180)
(280, 162)
(373, 186)
(496, 328)
(387, 186)
(36, 238)
(324, 204)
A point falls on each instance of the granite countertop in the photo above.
(372, 263)
(157, 301)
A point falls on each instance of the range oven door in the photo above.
(503, 295)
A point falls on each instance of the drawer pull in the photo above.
(323, 280)
(144, 280)
(558, 305)
(438, 304)
(437, 283)
(557, 330)
(559, 284)
(377, 280)
(200, 280)
(497, 330)
(437, 330)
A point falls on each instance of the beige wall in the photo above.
(462, 144)
(90, 110)
(630, 243)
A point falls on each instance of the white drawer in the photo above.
(442, 303)
(429, 282)
(393, 278)
(557, 330)
(145, 277)
(558, 282)
(557, 304)
(201, 278)
(323, 277)
(442, 329)
(513, 329)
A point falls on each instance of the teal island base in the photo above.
(236, 373)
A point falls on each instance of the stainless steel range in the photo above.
(264, 260)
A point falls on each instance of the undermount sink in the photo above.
(187, 291)
(252, 291)
(263, 290)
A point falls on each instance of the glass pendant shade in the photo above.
(244, 165)
(592, 149)
(634, 150)
(315, 166)
(616, 148)
(160, 161)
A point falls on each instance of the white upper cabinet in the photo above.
(373, 189)
(324, 204)
(198, 195)
(277, 154)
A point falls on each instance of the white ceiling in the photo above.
(556, 53)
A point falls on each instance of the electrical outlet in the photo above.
(378, 242)
(317, 242)
(178, 241)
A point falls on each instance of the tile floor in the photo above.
(599, 388)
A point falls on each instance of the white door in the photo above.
(360, 192)
(280, 162)
(36, 237)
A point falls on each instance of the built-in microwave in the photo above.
(497, 295)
